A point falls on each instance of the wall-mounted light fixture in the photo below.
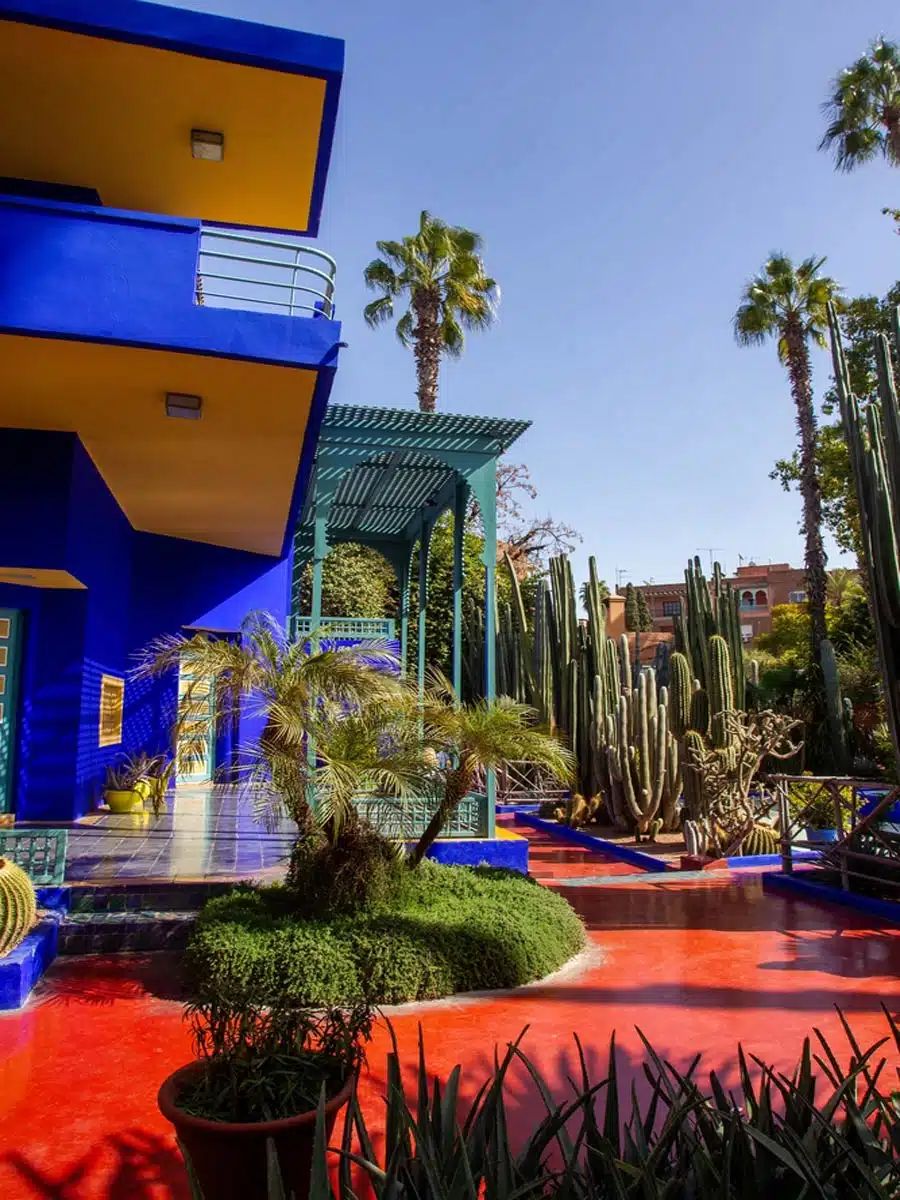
(208, 144)
(188, 408)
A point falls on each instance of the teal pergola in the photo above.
(382, 478)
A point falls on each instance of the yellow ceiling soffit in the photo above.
(39, 577)
(117, 117)
(227, 479)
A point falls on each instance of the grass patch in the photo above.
(448, 929)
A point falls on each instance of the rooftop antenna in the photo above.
(620, 572)
(711, 550)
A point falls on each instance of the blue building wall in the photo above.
(56, 512)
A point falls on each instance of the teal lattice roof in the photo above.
(394, 464)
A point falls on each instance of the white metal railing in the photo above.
(264, 273)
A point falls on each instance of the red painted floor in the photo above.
(698, 966)
(552, 858)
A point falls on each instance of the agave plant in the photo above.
(776, 1137)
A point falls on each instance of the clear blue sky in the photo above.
(629, 166)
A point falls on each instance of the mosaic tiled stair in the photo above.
(137, 917)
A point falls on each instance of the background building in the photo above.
(760, 589)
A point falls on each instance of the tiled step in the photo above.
(127, 897)
(88, 932)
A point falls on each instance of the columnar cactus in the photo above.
(17, 906)
(720, 690)
(643, 759)
(680, 688)
(705, 615)
(873, 442)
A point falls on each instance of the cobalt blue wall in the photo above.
(101, 274)
(56, 512)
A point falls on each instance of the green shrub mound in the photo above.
(446, 930)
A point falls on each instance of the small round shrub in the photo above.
(444, 930)
(360, 870)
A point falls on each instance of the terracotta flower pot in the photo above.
(230, 1160)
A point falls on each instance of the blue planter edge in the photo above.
(770, 860)
(887, 910)
(22, 968)
(646, 862)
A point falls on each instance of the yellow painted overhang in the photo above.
(227, 479)
(117, 117)
(40, 577)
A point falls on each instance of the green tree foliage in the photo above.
(645, 617)
(440, 271)
(789, 304)
(356, 582)
(439, 616)
(585, 588)
(864, 109)
(861, 321)
(632, 612)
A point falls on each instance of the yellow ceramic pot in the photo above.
(123, 802)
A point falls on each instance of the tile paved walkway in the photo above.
(697, 965)
(206, 833)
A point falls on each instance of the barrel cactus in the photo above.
(762, 839)
(18, 907)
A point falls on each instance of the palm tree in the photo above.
(791, 304)
(441, 271)
(478, 737)
(864, 109)
(294, 684)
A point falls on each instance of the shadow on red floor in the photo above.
(696, 965)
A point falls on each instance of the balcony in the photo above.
(95, 274)
(264, 274)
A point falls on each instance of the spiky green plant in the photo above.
(478, 737)
(873, 441)
(18, 906)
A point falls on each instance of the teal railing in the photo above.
(236, 269)
(407, 819)
(354, 628)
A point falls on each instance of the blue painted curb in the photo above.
(22, 968)
(886, 910)
(646, 862)
(508, 853)
(525, 806)
(770, 860)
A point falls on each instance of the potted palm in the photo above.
(259, 1077)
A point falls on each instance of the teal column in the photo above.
(460, 504)
(424, 537)
(484, 486)
(404, 580)
(320, 552)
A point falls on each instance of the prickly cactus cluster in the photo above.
(641, 747)
(17, 906)
(873, 440)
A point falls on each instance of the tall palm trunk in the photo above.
(426, 305)
(810, 488)
(457, 786)
(891, 118)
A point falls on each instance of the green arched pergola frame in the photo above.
(382, 478)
